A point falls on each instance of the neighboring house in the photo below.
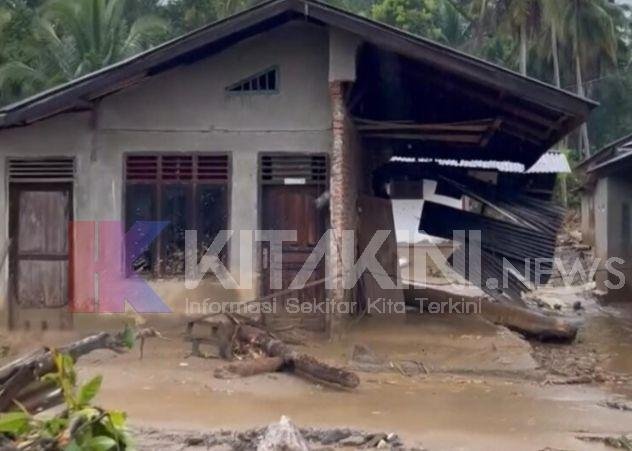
(243, 124)
(606, 211)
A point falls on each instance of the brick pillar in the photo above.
(342, 204)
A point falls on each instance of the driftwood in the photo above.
(20, 379)
(247, 368)
(301, 364)
(530, 323)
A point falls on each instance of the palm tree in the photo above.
(75, 37)
(590, 29)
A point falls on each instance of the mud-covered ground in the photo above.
(440, 382)
(437, 382)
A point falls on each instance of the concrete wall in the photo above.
(611, 196)
(187, 109)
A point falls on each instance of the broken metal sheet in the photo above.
(516, 245)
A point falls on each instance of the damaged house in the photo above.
(606, 215)
(249, 123)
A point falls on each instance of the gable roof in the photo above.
(570, 109)
(623, 143)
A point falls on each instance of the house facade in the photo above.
(243, 125)
(606, 215)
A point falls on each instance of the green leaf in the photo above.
(72, 446)
(99, 443)
(89, 390)
(118, 418)
(129, 337)
(14, 422)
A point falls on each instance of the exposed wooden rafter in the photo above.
(475, 133)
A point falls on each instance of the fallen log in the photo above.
(247, 368)
(301, 364)
(17, 378)
(529, 323)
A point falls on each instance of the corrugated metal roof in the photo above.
(549, 163)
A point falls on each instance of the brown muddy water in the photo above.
(481, 388)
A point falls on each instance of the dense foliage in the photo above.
(579, 45)
(79, 426)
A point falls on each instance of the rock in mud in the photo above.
(353, 440)
(282, 436)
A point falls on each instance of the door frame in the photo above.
(260, 188)
(14, 188)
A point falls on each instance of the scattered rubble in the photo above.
(621, 442)
(281, 436)
(617, 405)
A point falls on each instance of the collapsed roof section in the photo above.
(401, 77)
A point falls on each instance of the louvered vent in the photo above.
(142, 168)
(264, 81)
(41, 170)
(293, 169)
(177, 168)
(212, 168)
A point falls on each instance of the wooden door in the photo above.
(39, 257)
(294, 208)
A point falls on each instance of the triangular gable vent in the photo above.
(266, 81)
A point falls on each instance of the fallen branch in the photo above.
(19, 377)
(247, 368)
(301, 364)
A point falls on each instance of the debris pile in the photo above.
(261, 351)
(283, 435)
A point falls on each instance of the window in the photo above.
(266, 81)
(190, 191)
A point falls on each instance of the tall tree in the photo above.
(591, 33)
(74, 37)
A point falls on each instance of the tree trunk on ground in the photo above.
(247, 368)
(302, 364)
(530, 323)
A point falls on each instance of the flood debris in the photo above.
(283, 435)
(364, 359)
(621, 442)
(21, 379)
(250, 341)
(617, 405)
(530, 323)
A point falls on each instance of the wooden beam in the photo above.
(464, 139)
